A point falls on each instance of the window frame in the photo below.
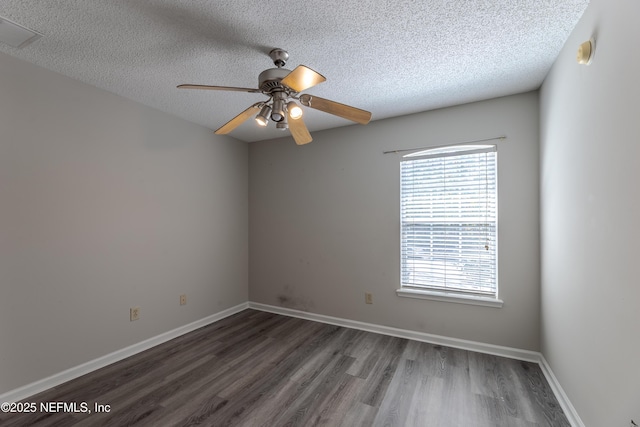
(438, 293)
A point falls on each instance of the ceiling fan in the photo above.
(283, 87)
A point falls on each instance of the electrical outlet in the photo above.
(183, 299)
(134, 313)
(368, 298)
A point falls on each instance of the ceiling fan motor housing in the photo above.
(270, 79)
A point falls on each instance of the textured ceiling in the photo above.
(389, 57)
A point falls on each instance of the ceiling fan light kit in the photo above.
(295, 112)
(277, 109)
(283, 86)
(263, 116)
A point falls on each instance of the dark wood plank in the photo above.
(261, 369)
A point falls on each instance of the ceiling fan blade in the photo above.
(345, 111)
(299, 131)
(302, 78)
(239, 119)
(237, 89)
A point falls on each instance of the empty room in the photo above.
(413, 213)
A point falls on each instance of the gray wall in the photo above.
(324, 222)
(106, 204)
(590, 172)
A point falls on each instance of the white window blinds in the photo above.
(449, 220)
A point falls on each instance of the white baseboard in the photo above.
(568, 409)
(92, 365)
(497, 350)
(512, 353)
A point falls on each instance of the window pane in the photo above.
(449, 221)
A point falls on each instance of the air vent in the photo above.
(15, 35)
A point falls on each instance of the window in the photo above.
(449, 224)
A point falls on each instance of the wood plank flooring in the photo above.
(263, 369)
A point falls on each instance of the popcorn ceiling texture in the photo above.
(389, 57)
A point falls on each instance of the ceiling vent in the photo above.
(15, 35)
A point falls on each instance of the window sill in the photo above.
(450, 297)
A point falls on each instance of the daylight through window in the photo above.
(449, 220)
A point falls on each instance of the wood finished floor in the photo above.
(263, 369)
